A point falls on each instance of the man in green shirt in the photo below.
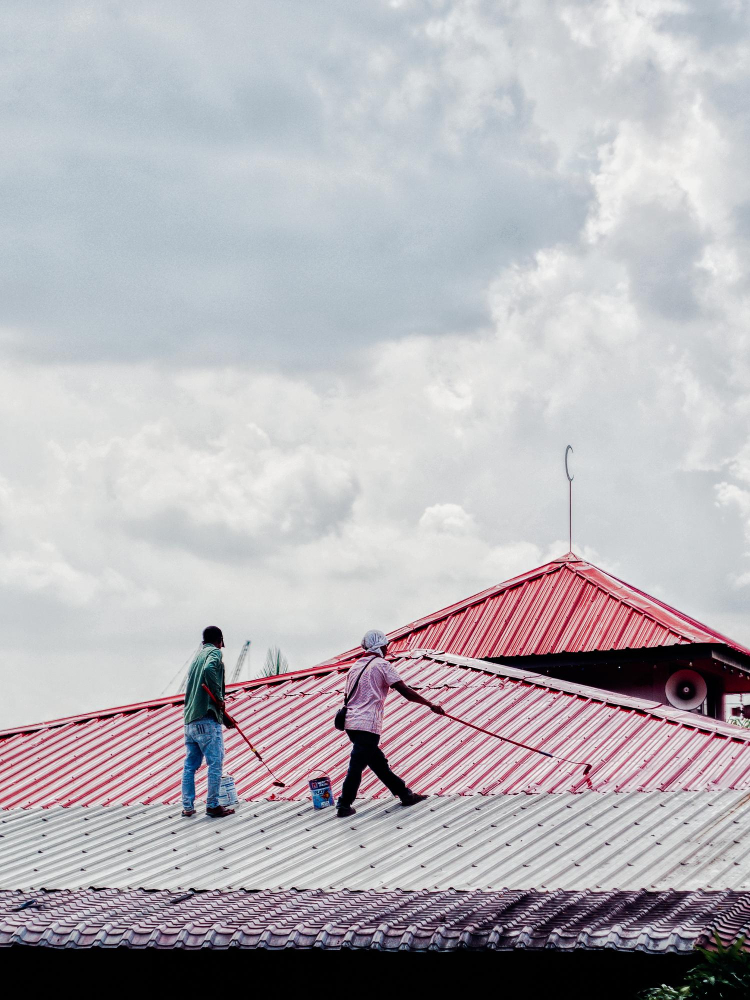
(203, 721)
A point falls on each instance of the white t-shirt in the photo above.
(365, 709)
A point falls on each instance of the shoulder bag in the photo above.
(339, 719)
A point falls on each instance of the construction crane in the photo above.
(186, 673)
(181, 673)
(240, 662)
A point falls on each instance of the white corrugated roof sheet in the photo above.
(600, 841)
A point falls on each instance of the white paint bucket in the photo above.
(227, 791)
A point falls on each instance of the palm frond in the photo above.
(276, 662)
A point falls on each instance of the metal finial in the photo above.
(570, 499)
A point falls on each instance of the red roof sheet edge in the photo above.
(718, 636)
(653, 708)
(174, 699)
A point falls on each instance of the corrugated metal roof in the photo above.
(566, 606)
(135, 754)
(653, 923)
(676, 840)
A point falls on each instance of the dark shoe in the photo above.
(343, 811)
(217, 811)
(188, 812)
(411, 799)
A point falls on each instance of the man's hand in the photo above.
(225, 716)
(411, 695)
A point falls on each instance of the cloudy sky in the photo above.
(300, 304)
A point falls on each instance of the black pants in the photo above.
(367, 753)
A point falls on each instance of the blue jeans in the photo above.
(202, 739)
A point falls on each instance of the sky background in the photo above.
(300, 304)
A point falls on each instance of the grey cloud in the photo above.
(711, 25)
(206, 190)
(742, 219)
(661, 247)
(173, 527)
(217, 543)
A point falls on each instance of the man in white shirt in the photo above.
(367, 687)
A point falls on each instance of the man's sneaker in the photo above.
(343, 811)
(411, 799)
(217, 811)
(188, 812)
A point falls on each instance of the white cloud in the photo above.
(465, 235)
(447, 518)
(43, 570)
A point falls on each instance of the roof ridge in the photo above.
(553, 566)
(174, 699)
(655, 708)
(680, 625)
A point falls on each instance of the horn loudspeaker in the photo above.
(686, 689)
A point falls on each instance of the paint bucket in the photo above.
(227, 791)
(322, 793)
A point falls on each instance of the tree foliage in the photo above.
(723, 974)
(276, 662)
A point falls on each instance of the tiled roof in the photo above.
(599, 841)
(566, 606)
(134, 754)
(653, 923)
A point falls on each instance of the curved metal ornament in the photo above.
(567, 471)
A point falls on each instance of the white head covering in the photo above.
(374, 641)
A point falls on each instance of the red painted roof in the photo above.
(566, 606)
(134, 754)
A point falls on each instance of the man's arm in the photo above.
(213, 677)
(411, 695)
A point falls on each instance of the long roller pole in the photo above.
(524, 746)
(276, 781)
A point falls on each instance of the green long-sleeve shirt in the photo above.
(207, 668)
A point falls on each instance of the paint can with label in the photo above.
(227, 791)
(322, 793)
